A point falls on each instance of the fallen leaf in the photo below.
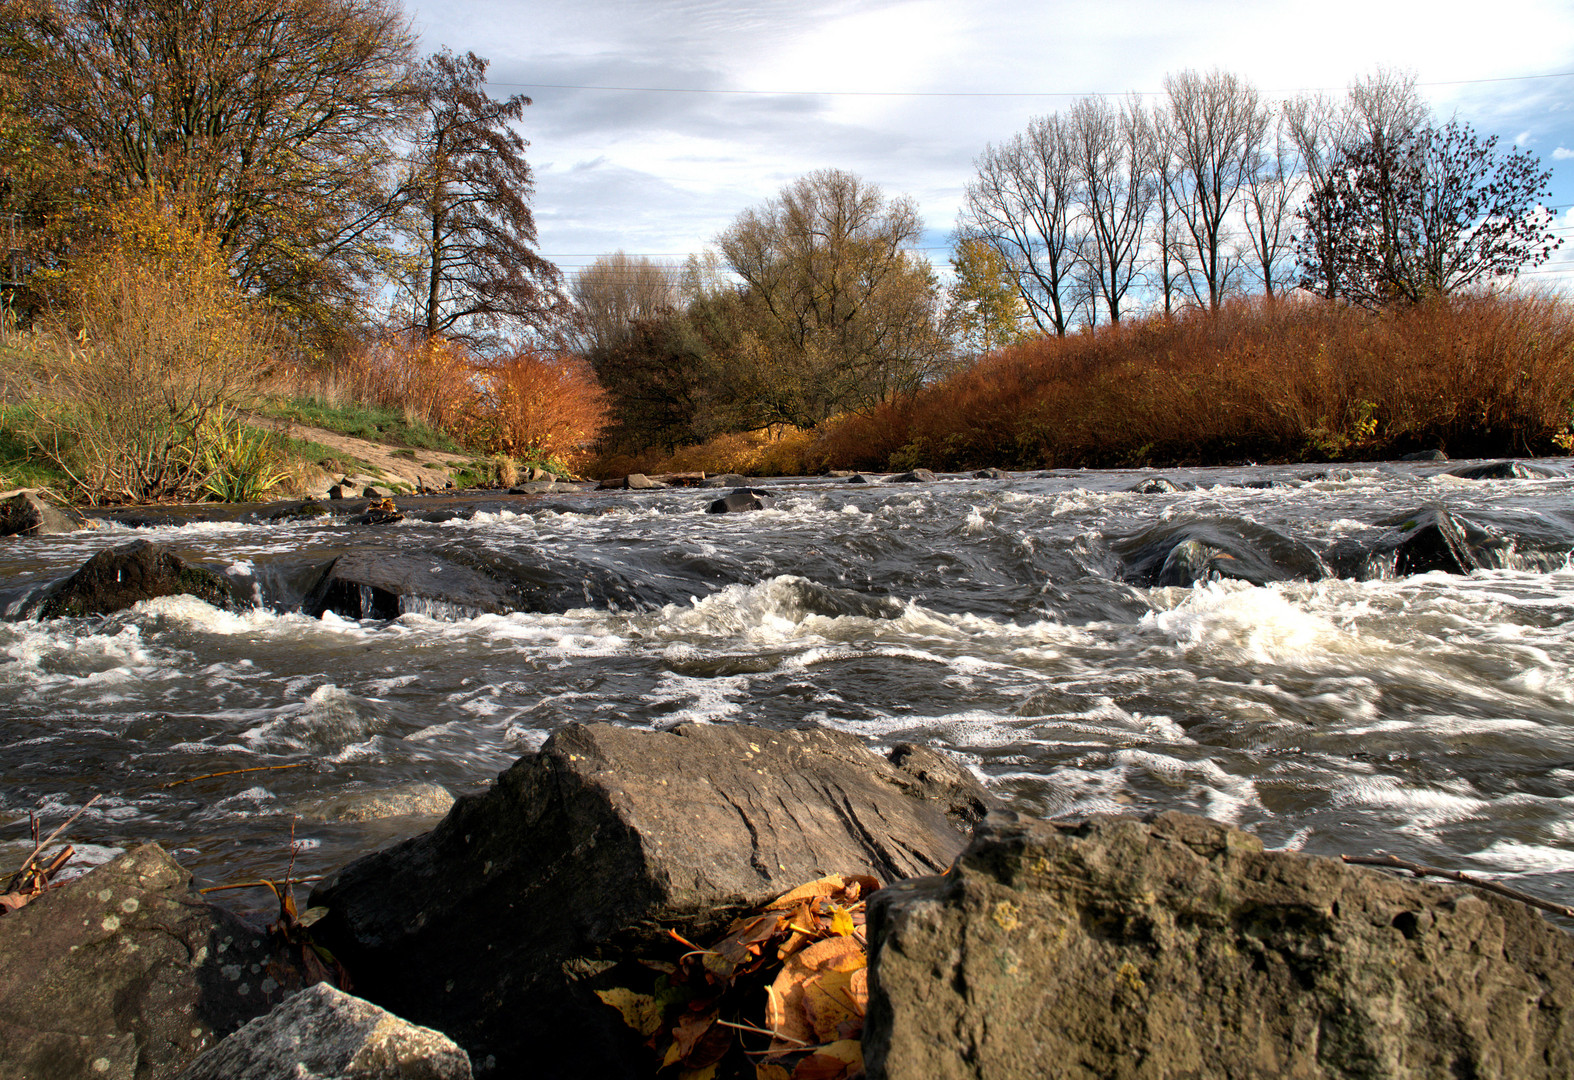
(640, 1011)
(769, 1070)
(828, 1003)
(707, 1073)
(842, 1060)
(842, 922)
(687, 1033)
(831, 885)
(785, 1011)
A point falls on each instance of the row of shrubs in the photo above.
(1260, 379)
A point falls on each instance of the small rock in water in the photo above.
(25, 514)
(742, 500)
(1154, 485)
(914, 476)
(1505, 470)
(402, 800)
(325, 1034)
(725, 480)
(991, 474)
(117, 578)
(862, 478)
(1425, 455)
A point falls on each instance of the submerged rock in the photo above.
(116, 578)
(126, 973)
(1435, 538)
(1176, 946)
(742, 500)
(913, 476)
(1506, 470)
(526, 898)
(25, 514)
(385, 585)
(1185, 552)
(415, 799)
(1155, 485)
(1424, 455)
(325, 1034)
(991, 474)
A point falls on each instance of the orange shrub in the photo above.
(537, 406)
(428, 378)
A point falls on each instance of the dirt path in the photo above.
(427, 469)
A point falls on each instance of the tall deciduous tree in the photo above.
(1218, 123)
(1113, 152)
(1023, 203)
(468, 201)
(1425, 214)
(266, 119)
(844, 312)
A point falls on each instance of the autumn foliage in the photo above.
(536, 406)
(1297, 379)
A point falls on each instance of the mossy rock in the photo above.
(117, 578)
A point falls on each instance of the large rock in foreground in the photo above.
(127, 973)
(116, 578)
(525, 899)
(325, 1034)
(1177, 947)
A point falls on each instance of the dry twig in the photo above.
(1393, 862)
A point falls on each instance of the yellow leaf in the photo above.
(769, 1070)
(640, 1011)
(842, 1060)
(842, 922)
(707, 1073)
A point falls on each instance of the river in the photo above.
(1288, 649)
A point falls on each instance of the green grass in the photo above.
(360, 422)
(19, 467)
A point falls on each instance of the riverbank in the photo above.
(1291, 381)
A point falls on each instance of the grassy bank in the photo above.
(1259, 380)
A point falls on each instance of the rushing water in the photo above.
(1084, 647)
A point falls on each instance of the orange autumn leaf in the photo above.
(786, 1010)
(769, 1070)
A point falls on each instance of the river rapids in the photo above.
(1348, 660)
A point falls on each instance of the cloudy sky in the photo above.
(656, 121)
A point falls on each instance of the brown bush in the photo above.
(1281, 380)
(428, 378)
(537, 407)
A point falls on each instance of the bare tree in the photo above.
(618, 290)
(1273, 184)
(1023, 203)
(1113, 149)
(1218, 123)
(1168, 241)
(468, 195)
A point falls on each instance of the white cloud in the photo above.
(1562, 153)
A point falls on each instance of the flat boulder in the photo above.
(325, 1034)
(1177, 947)
(991, 474)
(913, 476)
(1425, 455)
(25, 514)
(127, 972)
(526, 899)
(119, 577)
(741, 501)
(1183, 552)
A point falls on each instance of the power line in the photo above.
(963, 93)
